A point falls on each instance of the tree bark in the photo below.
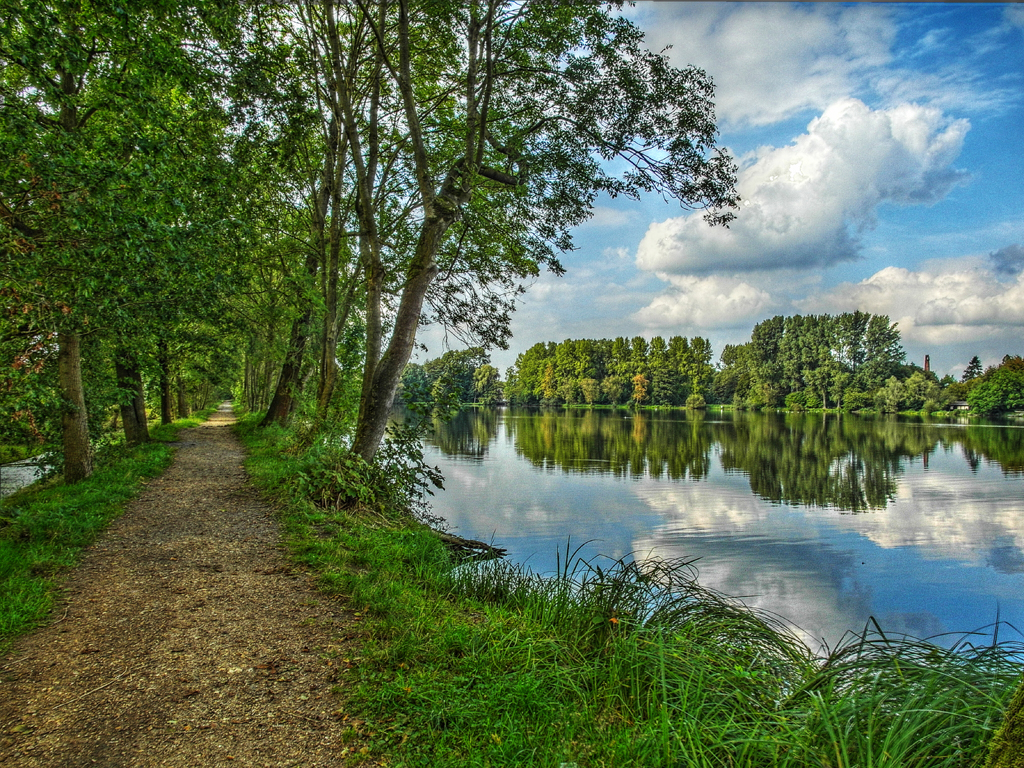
(164, 360)
(288, 384)
(133, 400)
(74, 420)
(183, 411)
(383, 378)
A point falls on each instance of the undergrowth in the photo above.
(614, 663)
(44, 527)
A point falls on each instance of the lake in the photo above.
(18, 474)
(826, 520)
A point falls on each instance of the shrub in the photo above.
(1002, 390)
(695, 402)
(856, 400)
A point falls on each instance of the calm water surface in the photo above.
(825, 520)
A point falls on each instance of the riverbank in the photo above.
(613, 664)
(958, 415)
(405, 657)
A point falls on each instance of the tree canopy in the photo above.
(313, 182)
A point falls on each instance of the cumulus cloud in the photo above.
(774, 61)
(942, 305)
(771, 61)
(708, 302)
(807, 203)
(1008, 260)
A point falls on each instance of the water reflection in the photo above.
(768, 503)
(847, 462)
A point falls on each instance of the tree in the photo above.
(639, 396)
(973, 369)
(95, 228)
(452, 378)
(892, 397)
(591, 390)
(1001, 390)
(883, 353)
(733, 379)
(699, 370)
(506, 113)
(764, 346)
(486, 385)
(614, 388)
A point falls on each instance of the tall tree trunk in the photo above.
(381, 380)
(74, 420)
(182, 399)
(133, 400)
(329, 367)
(164, 360)
(329, 334)
(288, 384)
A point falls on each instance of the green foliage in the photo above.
(892, 397)
(603, 371)
(1007, 747)
(486, 385)
(973, 370)
(695, 402)
(396, 481)
(444, 383)
(113, 124)
(856, 400)
(999, 391)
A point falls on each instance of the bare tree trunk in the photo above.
(74, 420)
(133, 400)
(329, 375)
(383, 378)
(288, 385)
(331, 326)
(164, 360)
(183, 411)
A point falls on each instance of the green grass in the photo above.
(44, 527)
(9, 453)
(614, 664)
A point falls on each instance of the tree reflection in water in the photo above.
(842, 461)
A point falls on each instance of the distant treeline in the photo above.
(852, 361)
(813, 361)
(818, 357)
(613, 372)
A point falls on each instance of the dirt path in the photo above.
(187, 639)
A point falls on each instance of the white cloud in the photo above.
(956, 86)
(805, 204)
(603, 216)
(1014, 15)
(708, 302)
(774, 61)
(771, 61)
(934, 305)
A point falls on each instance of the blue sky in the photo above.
(881, 168)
